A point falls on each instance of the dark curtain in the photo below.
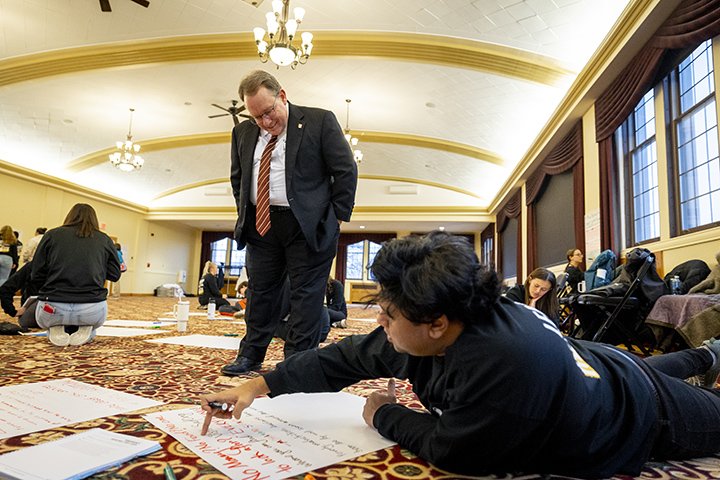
(209, 238)
(608, 202)
(350, 238)
(579, 203)
(553, 214)
(566, 155)
(511, 209)
(509, 239)
(692, 22)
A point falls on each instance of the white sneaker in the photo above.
(82, 336)
(341, 324)
(58, 336)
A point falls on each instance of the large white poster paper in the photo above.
(125, 332)
(33, 407)
(197, 340)
(137, 323)
(277, 438)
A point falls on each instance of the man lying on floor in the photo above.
(504, 390)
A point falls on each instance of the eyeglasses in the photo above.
(267, 114)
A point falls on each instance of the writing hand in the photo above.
(239, 398)
(377, 400)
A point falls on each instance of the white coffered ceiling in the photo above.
(447, 95)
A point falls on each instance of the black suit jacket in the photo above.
(320, 173)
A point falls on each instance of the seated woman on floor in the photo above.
(71, 264)
(538, 292)
(335, 301)
(209, 288)
(575, 274)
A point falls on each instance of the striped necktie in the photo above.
(262, 217)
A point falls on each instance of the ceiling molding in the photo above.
(64, 185)
(152, 145)
(190, 186)
(182, 141)
(420, 209)
(391, 178)
(429, 142)
(450, 213)
(422, 48)
(217, 181)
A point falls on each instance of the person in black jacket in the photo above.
(289, 220)
(20, 280)
(335, 302)
(538, 291)
(208, 287)
(504, 391)
(70, 266)
(573, 269)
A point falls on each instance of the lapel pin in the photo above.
(299, 125)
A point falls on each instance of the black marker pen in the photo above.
(222, 406)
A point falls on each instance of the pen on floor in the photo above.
(169, 474)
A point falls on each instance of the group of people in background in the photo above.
(333, 314)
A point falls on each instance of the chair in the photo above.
(565, 315)
(621, 309)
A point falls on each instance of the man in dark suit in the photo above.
(297, 160)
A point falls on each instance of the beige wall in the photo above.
(155, 252)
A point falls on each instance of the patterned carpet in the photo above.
(178, 375)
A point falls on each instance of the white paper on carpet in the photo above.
(137, 323)
(32, 407)
(208, 341)
(126, 332)
(277, 438)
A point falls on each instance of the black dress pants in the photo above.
(284, 251)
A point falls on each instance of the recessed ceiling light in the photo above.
(67, 121)
(188, 103)
(362, 227)
(442, 229)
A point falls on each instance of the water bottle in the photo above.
(675, 285)
(211, 309)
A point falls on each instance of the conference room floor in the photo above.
(178, 374)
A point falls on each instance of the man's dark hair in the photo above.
(437, 274)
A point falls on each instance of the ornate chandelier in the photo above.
(353, 141)
(126, 156)
(277, 45)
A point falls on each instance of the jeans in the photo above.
(690, 415)
(50, 314)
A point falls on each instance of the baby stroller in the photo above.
(616, 313)
(600, 273)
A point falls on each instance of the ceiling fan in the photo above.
(234, 110)
(105, 4)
